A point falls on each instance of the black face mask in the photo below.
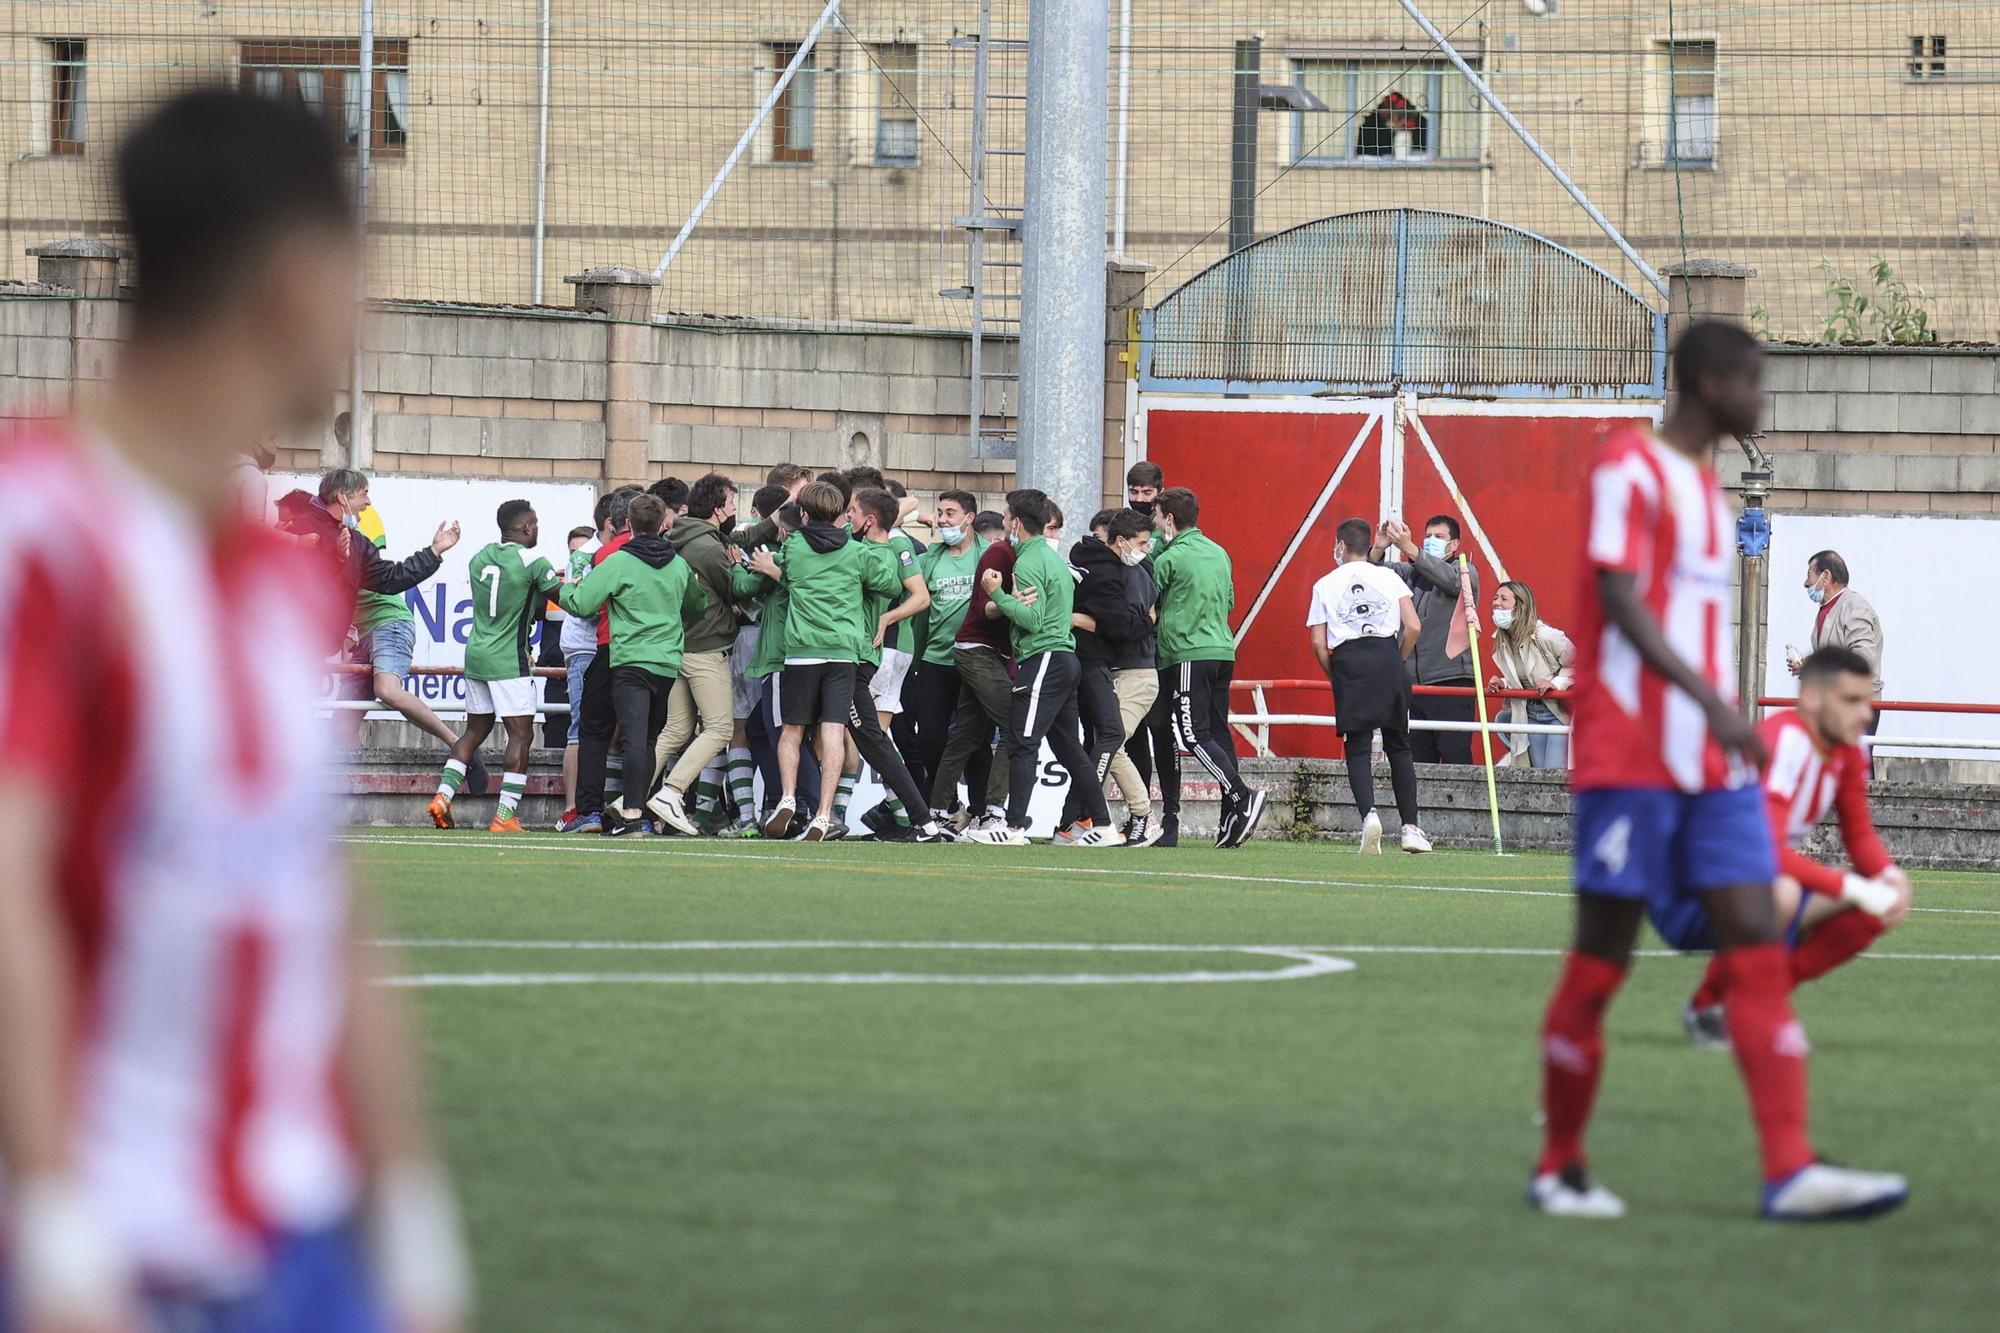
(727, 526)
(1145, 506)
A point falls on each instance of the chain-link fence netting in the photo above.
(1848, 151)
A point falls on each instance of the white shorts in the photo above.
(887, 686)
(501, 698)
(745, 690)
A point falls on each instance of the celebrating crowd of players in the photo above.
(822, 635)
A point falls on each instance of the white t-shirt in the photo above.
(1358, 601)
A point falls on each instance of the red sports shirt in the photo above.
(1656, 514)
(159, 683)
(1801, 785)
(602, 554)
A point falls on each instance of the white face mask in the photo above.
(1133, 556)
(1502, 618)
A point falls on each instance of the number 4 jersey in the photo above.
(509, 584)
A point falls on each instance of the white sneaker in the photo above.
(779, 822)
(1705, 1027)
(1571, 1193)
(1371, 835)
(986, 824)
(669, 807)
(999, 837)
(1106, 836)
(820, 830)
(1069, 837)
(1822, 1193)
(1414, 839)
(1141, 831)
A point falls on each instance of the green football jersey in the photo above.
(509, 585)
(950, 578)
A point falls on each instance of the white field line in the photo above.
(1303, 964)
(665, 847)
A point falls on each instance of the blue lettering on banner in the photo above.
(461, 625)
(1053, 774)
(428, 604)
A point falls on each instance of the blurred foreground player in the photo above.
(1816, 765)
(1667, 804)
(208, 1114)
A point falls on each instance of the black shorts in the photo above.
(810, 692)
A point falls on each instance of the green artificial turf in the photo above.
(1342, 1151)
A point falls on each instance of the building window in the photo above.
(1688, 69)
(1931, 68)
(325, 75)
(896, 105)
(69, 104)
(1385, 112)
(792, 118)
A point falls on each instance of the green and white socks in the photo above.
(842, 795)
(742, 782)
(513, 786)
(450, 779)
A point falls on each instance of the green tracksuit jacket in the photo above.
(652, 594)
(1197, 593)
(1043, 627)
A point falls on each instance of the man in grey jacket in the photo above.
(1845, 619)
(1431, 571)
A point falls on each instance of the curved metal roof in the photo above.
(1407, 298)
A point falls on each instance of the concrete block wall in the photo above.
(37, 350)
(1882, 430)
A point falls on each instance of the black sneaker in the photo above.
(477, 779)
(897, 833)
(1170, 832)
(878, 821)
(1247, 818)
(1225, 827)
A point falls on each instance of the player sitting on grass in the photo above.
(508, 586)
(1816, 765)
(1667, 804)
(652, 593)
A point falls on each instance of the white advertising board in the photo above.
(1928, 580)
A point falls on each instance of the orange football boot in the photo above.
(440, 811)
(508, 825)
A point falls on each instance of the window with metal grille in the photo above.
(325, 75)
(792, 118)
(1921, 67)
(69, 104)
(1385, 113)
(896, 104)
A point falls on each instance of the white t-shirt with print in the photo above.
(1358, 600)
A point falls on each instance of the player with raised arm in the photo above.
(209, 1112)
(1667, 804)
(509, 583)
(1816, 765)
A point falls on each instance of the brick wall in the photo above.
(1882, 430)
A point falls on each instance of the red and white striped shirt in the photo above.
(1656, 514)
(1802, 783)
(159, 682)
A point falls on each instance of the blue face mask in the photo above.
(1434, 547)
(353, 523)
(1502, 618)
(1817, 593)
(952, 536)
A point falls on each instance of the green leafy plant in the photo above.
(1894, 309)
(1307, 791)
(1760, 323)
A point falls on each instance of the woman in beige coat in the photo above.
(1530, 655)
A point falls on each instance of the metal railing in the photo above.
(1255, 726)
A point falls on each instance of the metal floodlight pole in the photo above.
(749, 134)
(1479, 86)
(542, 156)
(1062, 255)
(1243, 111)
(360, 432)
(1124, 117)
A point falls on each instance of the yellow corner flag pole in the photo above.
(1479, 693)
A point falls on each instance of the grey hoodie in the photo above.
(1434, 590)
(701, 544)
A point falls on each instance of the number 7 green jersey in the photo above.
(508, 588)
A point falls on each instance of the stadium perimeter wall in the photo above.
(604, 393)
(609, 394)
